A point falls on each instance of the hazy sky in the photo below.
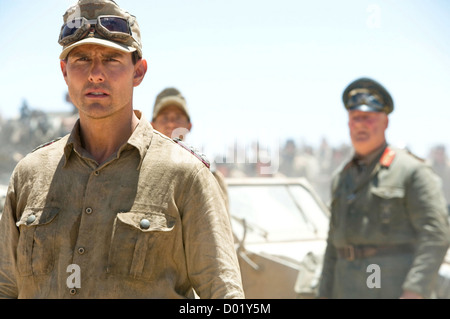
(256, 69)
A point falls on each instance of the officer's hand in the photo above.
(410, 295)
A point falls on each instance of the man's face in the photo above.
(101, 79)
(170, 118)
(367, 130)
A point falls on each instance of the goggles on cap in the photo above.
(365, 99)
(110, 27)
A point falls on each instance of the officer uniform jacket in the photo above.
(396, 201)
(150, 222)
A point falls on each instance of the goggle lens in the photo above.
(71, 27)
(108, 26)
(113, 24)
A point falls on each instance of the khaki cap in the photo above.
(170, 96)
(91, 9)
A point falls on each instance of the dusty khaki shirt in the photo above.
(150, 222)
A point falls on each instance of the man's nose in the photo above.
(171, 124)
(96, 72)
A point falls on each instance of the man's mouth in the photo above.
(97, 94)
(361, 135)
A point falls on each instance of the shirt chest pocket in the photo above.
(139, 241)
(36, 246)
(390, 203)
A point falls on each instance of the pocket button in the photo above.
(31, 219)
(144, 224)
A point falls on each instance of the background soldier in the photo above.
(171, 117)
(387, 210)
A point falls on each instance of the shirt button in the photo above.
(31, 219)
(73, 291)
(81, 250)
(145, 224)
(96, 173)
(351, 197)
(88, 210)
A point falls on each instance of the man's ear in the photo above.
(63, 65)
(140, 69)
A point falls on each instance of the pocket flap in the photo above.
(388, 192)
(37, 216)
(147, 221)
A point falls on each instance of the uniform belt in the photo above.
(352, 252)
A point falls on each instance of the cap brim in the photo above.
(97, 41)
(364, 108)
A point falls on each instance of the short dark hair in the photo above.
(135, 57)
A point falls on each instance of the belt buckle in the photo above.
(349, 252)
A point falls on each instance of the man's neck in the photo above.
(103, 137)
(370, 156)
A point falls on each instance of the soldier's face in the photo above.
(367, 130)
(170, 118)
(101, 80)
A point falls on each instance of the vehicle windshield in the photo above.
(276, 213)
(3, 190)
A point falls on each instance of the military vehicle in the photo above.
(3, 189)
(280, 227)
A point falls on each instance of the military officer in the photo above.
(114, 209)
(388, 230)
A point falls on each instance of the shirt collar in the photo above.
(369, 158)
(140, 139)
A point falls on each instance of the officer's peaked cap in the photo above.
(367, 95)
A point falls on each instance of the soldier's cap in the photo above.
(80, 27)
(365, 94)
(170, 96)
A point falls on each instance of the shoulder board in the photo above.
(387, 157)
(46, 144)
(193, 151)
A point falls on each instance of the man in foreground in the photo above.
(114, 209)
